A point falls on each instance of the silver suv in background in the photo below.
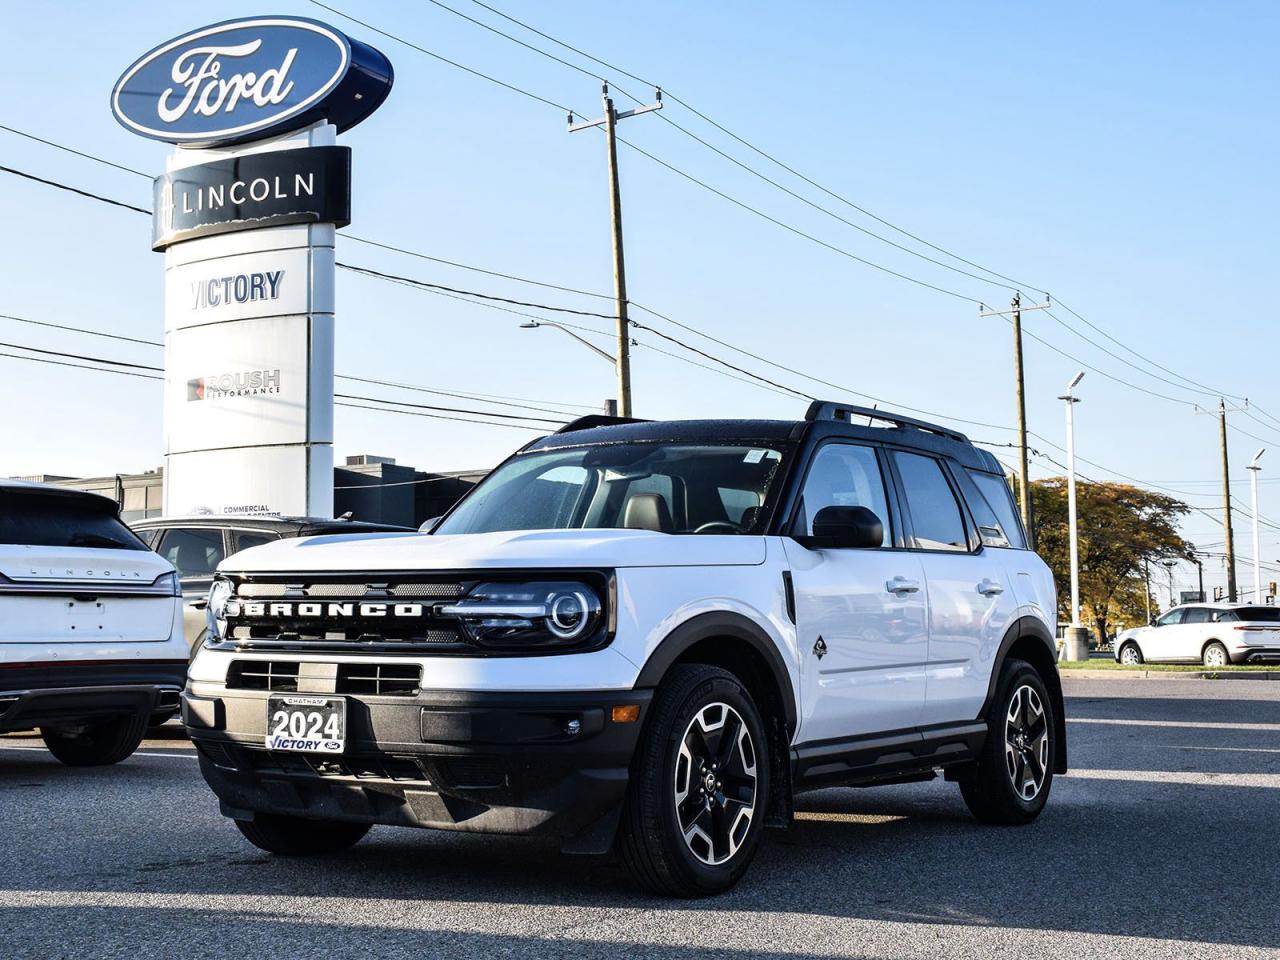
(1214, 634)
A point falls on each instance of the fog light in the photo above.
(573, 727)
(628, 714)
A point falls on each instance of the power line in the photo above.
(83, 193)
(78, 153)
(427, 406)
(755, 149)
(469, 293)
(443, 59)
(437, 416)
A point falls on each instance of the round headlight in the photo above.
(567, 614)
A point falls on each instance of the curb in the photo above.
(1087, 674)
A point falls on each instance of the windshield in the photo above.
(666, 487)
(43, 520)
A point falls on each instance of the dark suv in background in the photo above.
(196, 545)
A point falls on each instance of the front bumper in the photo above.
(60, 694)
(544, 764)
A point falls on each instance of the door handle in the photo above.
(989, 588)
(902, 585)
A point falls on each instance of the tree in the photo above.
(1119, 527)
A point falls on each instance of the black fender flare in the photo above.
(735, 626)
(1034, 628)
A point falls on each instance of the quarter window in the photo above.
(936, 521)
(995, 491)
(843, 475)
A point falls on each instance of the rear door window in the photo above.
(936, 521)
(53, 520)
(244, 540)
(1198, 615)
(195, 551)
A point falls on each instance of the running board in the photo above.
(885, 758)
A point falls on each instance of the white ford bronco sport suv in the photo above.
(643, 636)
(91, 647)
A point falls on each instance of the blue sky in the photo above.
(1121, 156)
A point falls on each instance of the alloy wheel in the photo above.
(1026, 742)
(1215, 656)
(1129, 655)
(715, 783)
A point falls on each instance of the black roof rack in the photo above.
(833, 410)
(593, 420)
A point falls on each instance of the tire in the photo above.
(1132, 651)
(1215, 655)
(99, 743)
(691, 829)
(1010, 782)
(300, 837)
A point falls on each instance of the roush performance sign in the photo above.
(309, 185)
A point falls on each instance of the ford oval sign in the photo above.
(249, 80)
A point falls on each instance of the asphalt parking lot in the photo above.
(1161, 843)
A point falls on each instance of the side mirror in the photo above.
(849, 527)
(427, 525)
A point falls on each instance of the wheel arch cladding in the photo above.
(1028, 639)
(736, 644)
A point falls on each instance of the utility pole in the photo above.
(1226, 503)
(610, 123)
(1024, 484)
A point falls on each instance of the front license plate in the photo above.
(307, 724)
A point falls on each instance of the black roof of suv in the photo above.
(822, 419)
(280, 526)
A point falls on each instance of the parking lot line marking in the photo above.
(1181, 777)
(1191, 724)
(136, 753)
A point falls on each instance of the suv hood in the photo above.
(29, 564)
(521, 548)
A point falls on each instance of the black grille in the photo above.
(274, 675)
(333, 620)
(358, 768)
(380, 679)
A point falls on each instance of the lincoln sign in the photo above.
(246, 214)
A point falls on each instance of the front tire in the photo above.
(99, 743)
(1215, 655)
(1010, 782)
(695, 806)
(300, 837)
(1130, 655)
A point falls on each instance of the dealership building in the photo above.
(370, 488)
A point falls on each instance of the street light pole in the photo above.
(610, 404)
(1253, 489)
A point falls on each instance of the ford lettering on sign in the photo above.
(248, 80)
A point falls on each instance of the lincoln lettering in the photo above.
(198, 74)
(238, 192)
(237, 288)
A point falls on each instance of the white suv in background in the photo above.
(645, 637)
(1214, 634)
(91, 646)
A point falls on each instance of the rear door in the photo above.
(970, 588)
(196, 551)
(860, 613)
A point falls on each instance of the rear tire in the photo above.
(1130, 654)
(300, 837)
(1215, 655)
(696, 803)
(99, 743)
(1010, 782)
